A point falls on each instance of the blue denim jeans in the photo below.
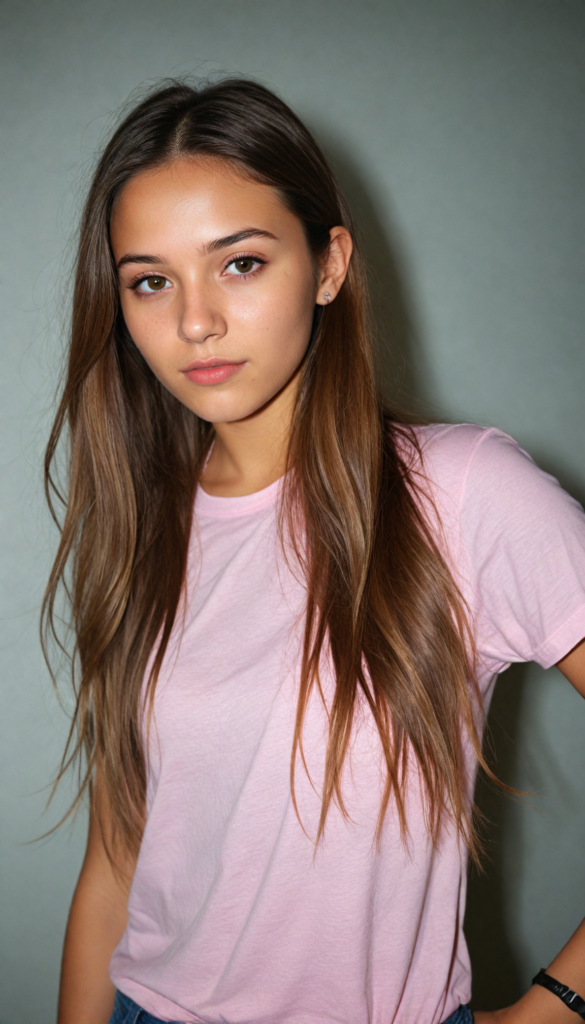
(461, 1016)
(126, 1011)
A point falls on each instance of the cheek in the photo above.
(148, 327)
(278, 347)
(280, 318)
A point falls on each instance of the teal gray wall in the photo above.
(457, 129)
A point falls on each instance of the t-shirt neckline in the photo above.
(214, 505)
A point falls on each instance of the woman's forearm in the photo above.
(97, 920)
(95, 926)
(538, 1005)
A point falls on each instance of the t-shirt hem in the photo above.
(155, 1004)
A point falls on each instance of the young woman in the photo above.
(289, 604)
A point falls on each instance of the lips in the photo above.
(212, 371)
(211, 361)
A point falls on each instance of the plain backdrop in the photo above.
(456, 127)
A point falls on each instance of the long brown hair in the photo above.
(380, 597)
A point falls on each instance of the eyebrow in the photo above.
(204, 250)
(239, 236)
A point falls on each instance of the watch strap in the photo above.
(569, 998)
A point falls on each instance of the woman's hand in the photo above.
(537, 1006)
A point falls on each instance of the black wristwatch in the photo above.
(569, 998)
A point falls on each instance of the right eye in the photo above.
(151, 284)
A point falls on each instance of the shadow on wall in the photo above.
(497, 978)
(407, 382)
(404, 377)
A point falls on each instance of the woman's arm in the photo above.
(96, 923)
(573, 667)
(538, 1005)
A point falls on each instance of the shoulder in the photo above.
(515, 538)
(483, 489)
(480, 467)
(524, 543)
(449, 452)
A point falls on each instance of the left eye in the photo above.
(242, 266)
(152, 284)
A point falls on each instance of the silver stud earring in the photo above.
(327, 297)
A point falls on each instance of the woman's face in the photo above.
(217, 285)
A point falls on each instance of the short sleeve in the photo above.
(524, 538)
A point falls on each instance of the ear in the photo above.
(335, 265)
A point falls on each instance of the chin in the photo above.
(232, 411)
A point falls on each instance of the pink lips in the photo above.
(211, 371)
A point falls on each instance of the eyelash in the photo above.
(234, 259)
(246, 256)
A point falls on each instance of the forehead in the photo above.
(204, 195)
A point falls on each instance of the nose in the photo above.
(200, 318)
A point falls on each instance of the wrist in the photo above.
(537, 1006)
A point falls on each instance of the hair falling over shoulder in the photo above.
(380, 597)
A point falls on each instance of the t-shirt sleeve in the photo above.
(524, 537)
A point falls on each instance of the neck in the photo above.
(250, 454)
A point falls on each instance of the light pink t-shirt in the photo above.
(232, 920)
